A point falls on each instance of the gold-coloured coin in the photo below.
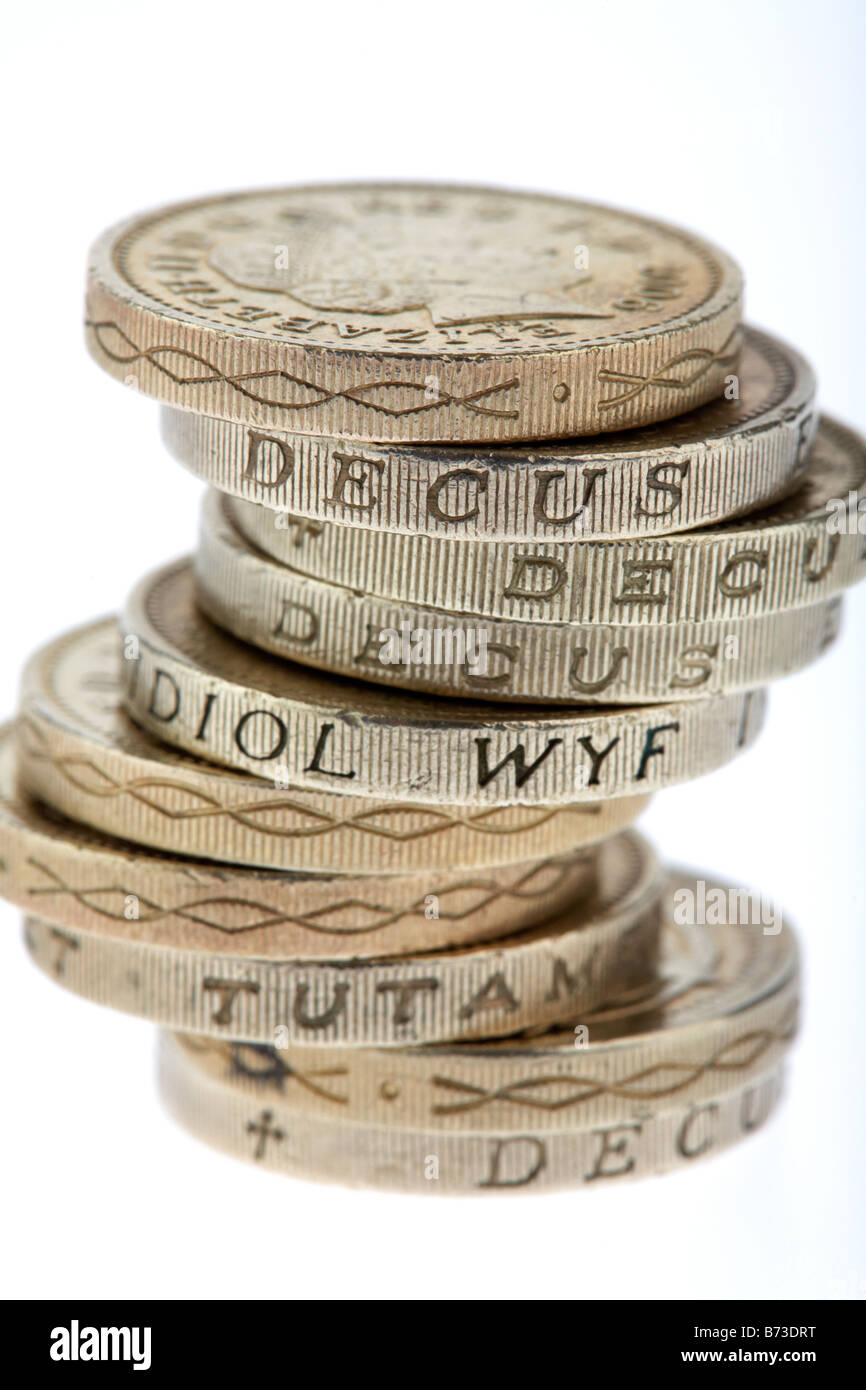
(730, 456)
(720, 1009)
(73, 877)
(401, 644)
(79, 753)
(202, 690)
(605, 943)
(414, 312)
(797, 552)
(277, 1136)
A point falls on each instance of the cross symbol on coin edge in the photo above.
(262, 1127)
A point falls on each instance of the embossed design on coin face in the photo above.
(414, 312)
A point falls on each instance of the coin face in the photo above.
(731, 455)
(414, 312)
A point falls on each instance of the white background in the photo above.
(744, 121)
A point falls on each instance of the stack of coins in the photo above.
(510, 523)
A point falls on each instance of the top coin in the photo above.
(414, 312)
